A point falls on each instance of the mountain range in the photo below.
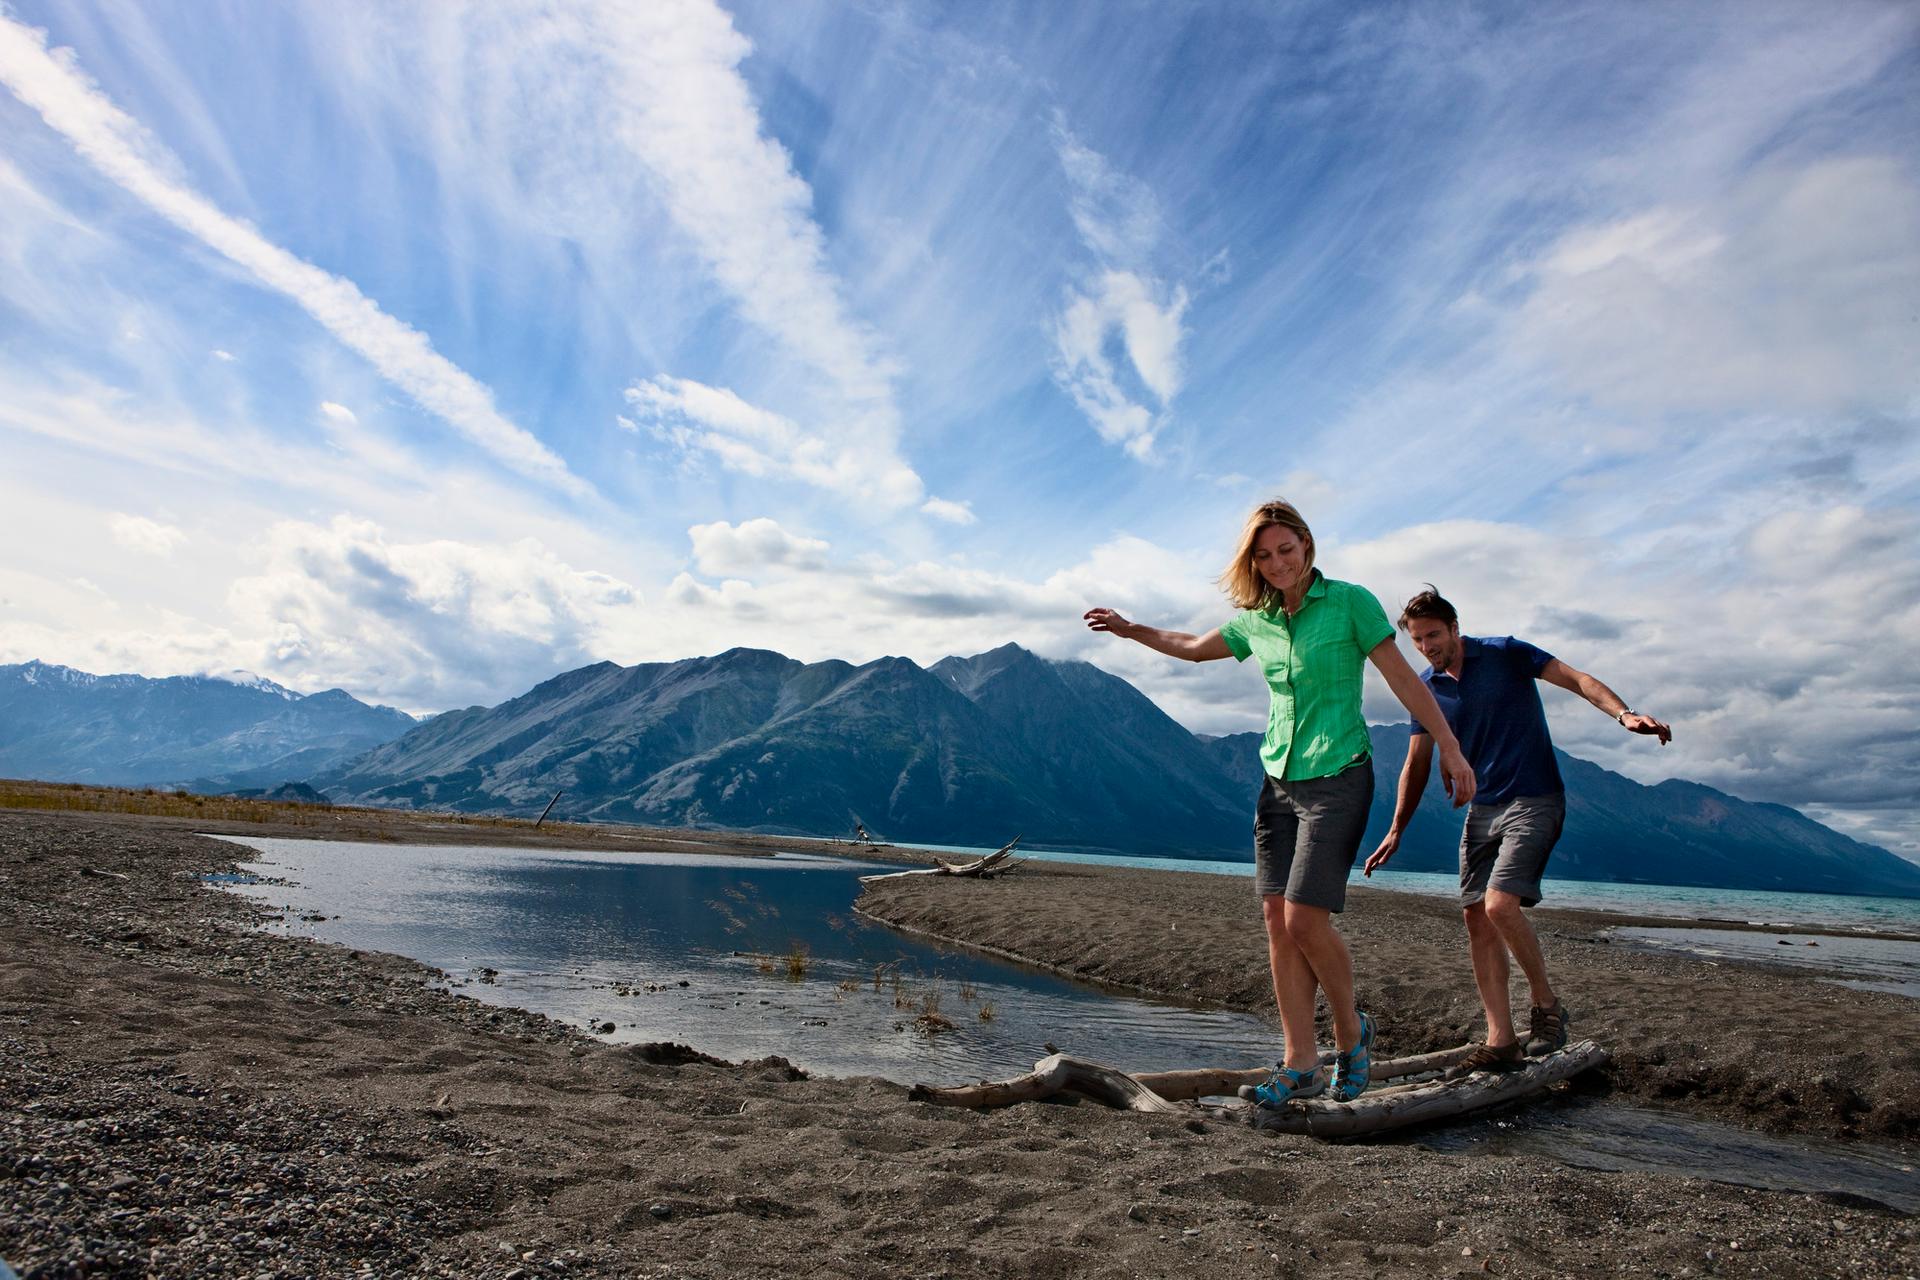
(968, 751)
(204, 732)
(971, 751)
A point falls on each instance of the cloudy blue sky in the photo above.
(427, 350)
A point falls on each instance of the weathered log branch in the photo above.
(1377, 1111)
(1057, 1074)
(1209, 1082)
(984, 867)
(1050, 1076)
(1439, 1100)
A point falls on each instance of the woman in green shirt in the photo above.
(1312, 635)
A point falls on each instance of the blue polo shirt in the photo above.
(1494, 709)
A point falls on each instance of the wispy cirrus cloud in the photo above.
(50, 81)
(681, 106)
(759, 442)
(1123, 312)
(1676, 308)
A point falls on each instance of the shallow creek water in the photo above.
(694, 948)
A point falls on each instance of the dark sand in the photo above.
(182, 1095)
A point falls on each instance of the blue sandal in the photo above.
(1285, 1085)
(1352, 1068)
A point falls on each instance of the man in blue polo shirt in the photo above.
(1486, 689)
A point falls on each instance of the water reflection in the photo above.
(696, 948)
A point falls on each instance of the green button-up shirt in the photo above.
(1313, 664)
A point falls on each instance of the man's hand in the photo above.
(1389, 846)
(1457, 774)
(1107, 620)
(1634, 722)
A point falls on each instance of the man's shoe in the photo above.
(1486, 1058)
(1549, 1029)
(1285, 1085)
(1354, 1068)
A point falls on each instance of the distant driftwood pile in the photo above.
(999, 862)
(1418, 1096)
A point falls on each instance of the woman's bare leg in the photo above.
(1326, 954)
(1293, 985)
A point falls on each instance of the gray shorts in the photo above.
(1307, 833)
(1505, 846)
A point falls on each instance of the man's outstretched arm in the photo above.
(1413, 784)
(1574, 680)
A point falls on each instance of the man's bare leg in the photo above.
(1293, 986)
(1491, 974)
(1506, 915)
(1325, 951)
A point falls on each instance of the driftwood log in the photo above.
(1392, 1106)
(1050, 1077)
(984, 867)
(1184, 1086)
(1386, 1109)
(1063, 1074)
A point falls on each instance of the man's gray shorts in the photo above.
(1306, 834)
(1505, 846)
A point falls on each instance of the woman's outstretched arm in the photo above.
(1175, 644)
(1455, 772)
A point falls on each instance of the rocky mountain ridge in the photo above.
(972, 750)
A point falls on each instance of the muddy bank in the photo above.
(185, 1096)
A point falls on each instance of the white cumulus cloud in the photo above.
(428, 624)
(149, 537)
(753, 546)
(951, 512)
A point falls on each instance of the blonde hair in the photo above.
(1240, 580)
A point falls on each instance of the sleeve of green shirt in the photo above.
(1370, 625)
(1234, 632)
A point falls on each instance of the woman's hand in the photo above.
(1175, 644)
(1108, 620)
(1457, 774)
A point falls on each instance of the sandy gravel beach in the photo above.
(187, 1096)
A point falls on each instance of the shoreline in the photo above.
(196, 1097)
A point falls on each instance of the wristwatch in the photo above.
(1624, 713)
